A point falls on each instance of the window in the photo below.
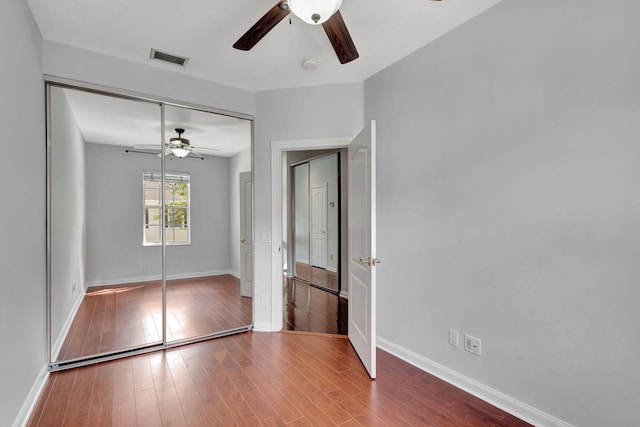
(176, 198)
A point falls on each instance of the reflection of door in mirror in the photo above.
(131, 219)
(246, 235)
(316, 209)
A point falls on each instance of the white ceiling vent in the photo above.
(167, 57)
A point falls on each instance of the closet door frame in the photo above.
(53, 81)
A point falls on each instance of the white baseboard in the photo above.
(141, 279)
(262, 327)
(57, 344)
(344, 294)
(498, 399)
(32, 398)
(234, 274)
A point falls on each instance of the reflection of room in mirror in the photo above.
(308, 308)
(109, 214)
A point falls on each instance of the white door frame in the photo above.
(278, 148)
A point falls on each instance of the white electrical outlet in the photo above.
(472, 344)
(265, 300)
(453, 337)
(73, 287)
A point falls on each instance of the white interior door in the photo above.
(362, 246)
(246, 243)
(319, 226)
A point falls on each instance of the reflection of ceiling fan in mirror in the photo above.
(180, 147)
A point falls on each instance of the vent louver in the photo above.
(167, 57)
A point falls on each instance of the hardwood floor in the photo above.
(309, 309)
(258, 379)
(117, 318)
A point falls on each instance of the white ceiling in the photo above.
(136, 125)
(205, 30)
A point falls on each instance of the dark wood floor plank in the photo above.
(124, 403)
(361, 415)
(285, 409)
(101, 404)
(61, 394)
(266, 414)
(305, 405)
(79, 415)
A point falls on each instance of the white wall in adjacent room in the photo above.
(508, 205)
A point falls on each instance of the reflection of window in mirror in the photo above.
(177, 186)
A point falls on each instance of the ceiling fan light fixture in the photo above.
(180, 152)
(180, 146)
(314, 12)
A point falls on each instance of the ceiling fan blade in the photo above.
(200, 155)
(340, 38)
(205, 149)
(261, 28)
(146, 146)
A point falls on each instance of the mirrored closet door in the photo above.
(144, 219)
(316, 221)
(203, 219)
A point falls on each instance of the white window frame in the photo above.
(170, 176)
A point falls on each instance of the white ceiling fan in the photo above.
(179, 147)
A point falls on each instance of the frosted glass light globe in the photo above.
(314, 12)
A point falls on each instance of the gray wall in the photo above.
(115, 253)
(22, 247)
(68, 208)
(508, 203)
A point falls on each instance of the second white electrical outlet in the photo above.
(453, 337)
(472, 344)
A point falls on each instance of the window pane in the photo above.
(176, 215)
(152, 216)
(152, 193)
(152, 235)
(176, 194)
(181, 234)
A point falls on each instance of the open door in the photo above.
(246, 237)
(362, 246)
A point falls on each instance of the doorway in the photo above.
(360, 256)
(314, 298)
